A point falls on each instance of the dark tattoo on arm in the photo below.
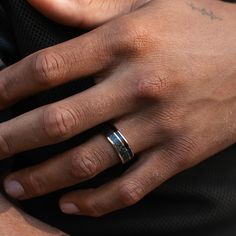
(204, 11)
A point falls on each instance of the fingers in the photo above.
(62, 120)
(80, 164)
(120, 193)
(84, 13)
(152, 169)
(74, 59)
(77, 165)
(98, 52)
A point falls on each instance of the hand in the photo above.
(85, 13)
(15, 222)
(166, 79)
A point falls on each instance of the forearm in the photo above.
(13, 220)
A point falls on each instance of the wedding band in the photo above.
(119, 143)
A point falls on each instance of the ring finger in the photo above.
(81, 163)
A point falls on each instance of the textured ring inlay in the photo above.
(119, 143)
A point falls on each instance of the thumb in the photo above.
(85, 13)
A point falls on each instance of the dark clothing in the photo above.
(200, 201)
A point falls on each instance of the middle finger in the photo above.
(62, 120)
(82, 162)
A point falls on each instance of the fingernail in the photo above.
(14, 189)
(69, 208)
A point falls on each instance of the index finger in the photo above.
(74, 59)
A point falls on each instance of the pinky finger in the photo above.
(143, 177)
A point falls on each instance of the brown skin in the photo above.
(85, 13)
(15, 222)
(168, 84)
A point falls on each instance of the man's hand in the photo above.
(166, 81)
(85, 13)
(15, 222)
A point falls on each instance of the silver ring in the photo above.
(119, 143)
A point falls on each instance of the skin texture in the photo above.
(15, 222)
(166, 79)
(85, 13)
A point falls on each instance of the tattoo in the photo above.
(204, 12)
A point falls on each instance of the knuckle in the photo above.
(152, 86)
(94, 209)
(170, 118)
(85, 164)
(182, 153)
(58, 122)
(49, 67)
(130, 193)
(5, 148)
(134, 37)
(34, 186)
